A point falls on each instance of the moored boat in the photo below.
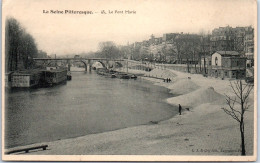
(54, 76)
(113, 75)
(133, 76)
(123, 76)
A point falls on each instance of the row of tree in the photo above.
(186, 48)
(20, 47)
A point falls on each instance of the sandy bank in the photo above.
(205, 130)
(177, 87)
(198, 97)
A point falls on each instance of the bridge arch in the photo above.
(85, 64)
(50, 62)
(118, 64)
(102, 63)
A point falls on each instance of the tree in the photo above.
(20, 47)
(170, 52)
(178, 42)
(144, 52)
(187, 47)
(241, 92)
(204, 50)
(195, 47)
(13, 34)
(125, 51)
(135, 54)
(109, 50)
(28, 50)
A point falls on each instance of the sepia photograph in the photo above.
(128, 80)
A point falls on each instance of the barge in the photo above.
(54, 76)
(115, 74)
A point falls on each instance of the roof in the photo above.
(25, 73)
(228, 53)
(54, 70)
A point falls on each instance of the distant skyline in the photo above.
(63, 34)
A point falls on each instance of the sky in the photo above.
(63, 34)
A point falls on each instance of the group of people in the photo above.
(167, 80)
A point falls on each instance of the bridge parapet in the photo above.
(106, 62)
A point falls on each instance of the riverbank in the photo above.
(204, 130)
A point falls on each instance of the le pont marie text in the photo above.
(88, 12)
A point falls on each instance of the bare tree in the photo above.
(169, 51)
(109, 50)
(204, 49)
(20, 46)
(242, 92)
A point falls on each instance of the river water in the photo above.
(87, 104)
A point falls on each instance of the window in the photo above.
(225, 73)
(216, 61)
(233, 73)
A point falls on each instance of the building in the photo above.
(25, 78)
(230, 39)
(155, 41)
(152, 40)
(227, 64)
(249, 47)
(222, 39)
(8, 79)
(169, 37)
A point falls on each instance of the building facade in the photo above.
(25, 79)
(227, 64)
(230, 39)
(249, 47)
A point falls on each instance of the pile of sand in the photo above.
(198, 97)
(162, 73)
(183, 86)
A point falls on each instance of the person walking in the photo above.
(180, 108)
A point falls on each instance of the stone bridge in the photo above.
(88, 62)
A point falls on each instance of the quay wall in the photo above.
(183, 68)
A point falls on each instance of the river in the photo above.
(87, 104)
